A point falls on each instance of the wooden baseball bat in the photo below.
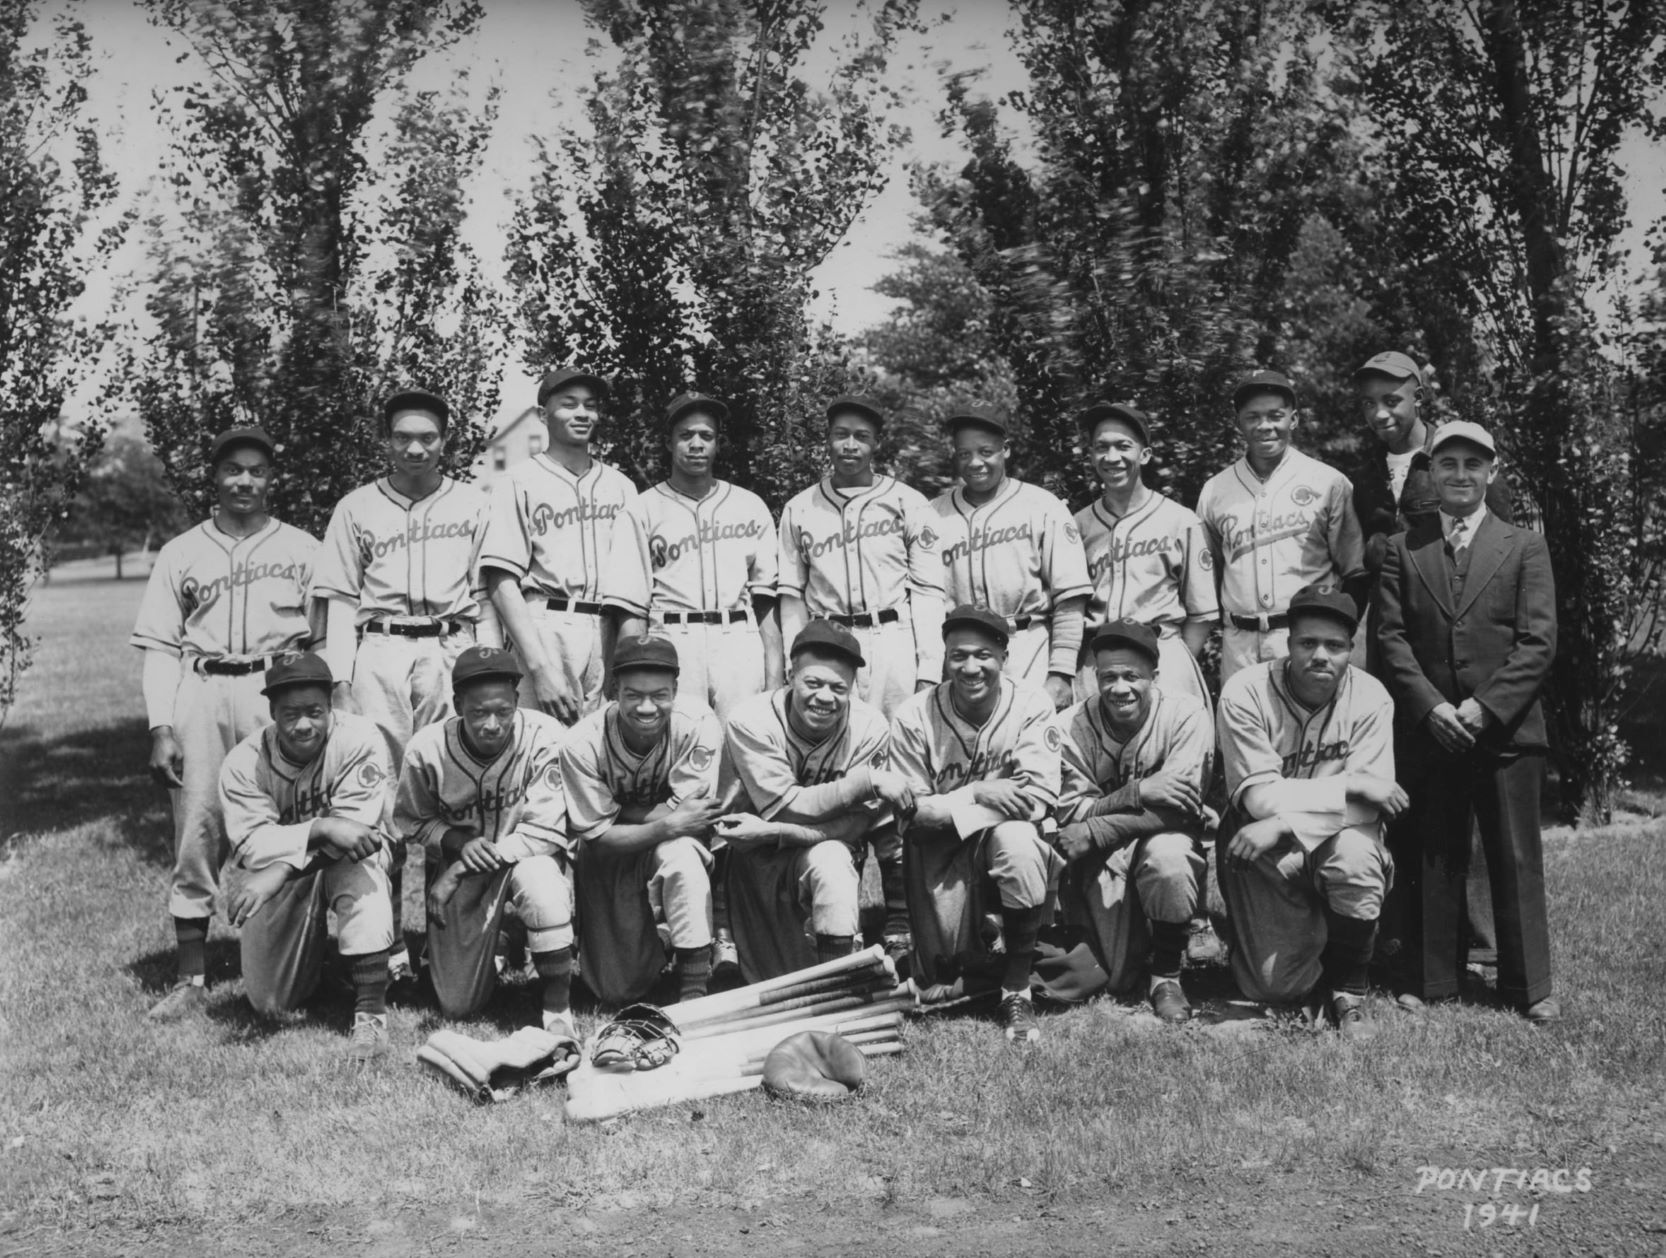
(706, 1008)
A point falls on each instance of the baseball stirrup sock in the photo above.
(694, 972)
(1347, 955)
(370, 982)
(191, 937)
(832, 947)
(556, 970)
(896, 896)
(1019, 927)
(1168, 945)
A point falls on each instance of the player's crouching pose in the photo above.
(1307, 745)
(1135, 763)
(641, 781)
(981, 754)
(305, 802)
(810, 758)
(482, 792)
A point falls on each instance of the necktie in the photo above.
(1459, 541)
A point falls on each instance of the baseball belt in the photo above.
(1262, 624)
(866, 620)
(421, 629)
(224, 666)
(702, 618)
(561, 603)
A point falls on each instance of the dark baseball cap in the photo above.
(481, 662)
(684, 403)
(416, 400)
(977, 417)
(300, 668)
(1263, 382)
(1390, 363)
(246, 435)
(1125, 633)
(561, 377)
(861, 404)
(1325, 600)
(645, 650)
(1139, 421)
(824, 635)
(972, 616)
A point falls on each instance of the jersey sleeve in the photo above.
(340, 570)
(1248, 756)
(591, 805)
(541, 829)
(257, 837)
(1036, 752)
(1345, 538)
(1191, 744)
(506, 542)
(696, 767)
(761, 764)
(161, 621)
(922, 531)
(360, 790)
(1197, 579)
(1079, 787)
(626, 580)
(416, 800)
(793, 570)
(765, 564)
(1371, 737)
(1063, 557)
(911, 745)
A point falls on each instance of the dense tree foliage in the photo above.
(125, 503)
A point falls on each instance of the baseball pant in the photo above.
(462, 941)
(1158, 879)
(573, 643)
(404, 684)
(1242, 647)
(892, 666)
(720, 665)
(625, 901)
(1178, 671)
(780, 900)
(1276, 906)
(212, 714)
(1029, 651)
(283, 944)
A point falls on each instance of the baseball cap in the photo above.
(1326, 600)
(1127, 633)
(1139, 421)
(561, 377)
(416, 400)
(246, 435)
(827, 636)
(1390, 363)
(683, 403)
(299, 668)
(1464, 430)
(972, 616)
(1263, 382)
(859, 403)
(645, 650)
(977, 417)
(484, 661)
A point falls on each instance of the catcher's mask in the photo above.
(640, 1037)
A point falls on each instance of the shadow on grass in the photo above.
(57, 782)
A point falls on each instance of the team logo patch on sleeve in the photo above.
(1304, 495)
(878, 759)
(1206, 559)
(1072, 532)
(370, 775)
(1053, 738)
(700, 757)
(928, 538)
(552, 777)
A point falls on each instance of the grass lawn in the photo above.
(231, 1135)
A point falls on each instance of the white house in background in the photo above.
(517, 439)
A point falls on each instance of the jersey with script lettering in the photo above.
(1266, 734)
(1152, 565)
(603, 776)
(270, 802)
(774, 762)
(213, 594)
(1274, 536)
(1019, 554)
(399, 556)
(939, 751)
(513, 799)
(845, 551)
(675, 553)
(552, 529)
(1176, 738)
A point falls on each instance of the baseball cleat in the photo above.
(1168, 1002)
(185, 999)
(1018, 1019)
(370, 1037)
(1348, 1011)
(1543, 1012)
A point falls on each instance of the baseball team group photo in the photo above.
(834, 628)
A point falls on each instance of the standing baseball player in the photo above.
(1136, 761)
(641, 777)
(224, 599)
(548, 532)
(981, 754)
(1307, 745)
(481, 791)
(1148, 557)
(1013, 548)
(862, 550)
(306, 803)
(694, 560)
(811, 761)
(398, 571)
(1277, 520)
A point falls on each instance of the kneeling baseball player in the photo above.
(1307, 743)
(305, 802)
(640, 776)
(810, 758)
(1136, 761)
(482, 792)
(981, 754)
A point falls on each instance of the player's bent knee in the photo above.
(680, 859)
(1172, 856)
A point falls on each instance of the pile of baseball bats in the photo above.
(726, 1037)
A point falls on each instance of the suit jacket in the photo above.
(1494, 644)
(1381, 515)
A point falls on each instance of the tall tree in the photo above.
(673, 245)
(317, 262)
(125, 502)
(53, 188)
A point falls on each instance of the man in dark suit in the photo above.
(1467, 632)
